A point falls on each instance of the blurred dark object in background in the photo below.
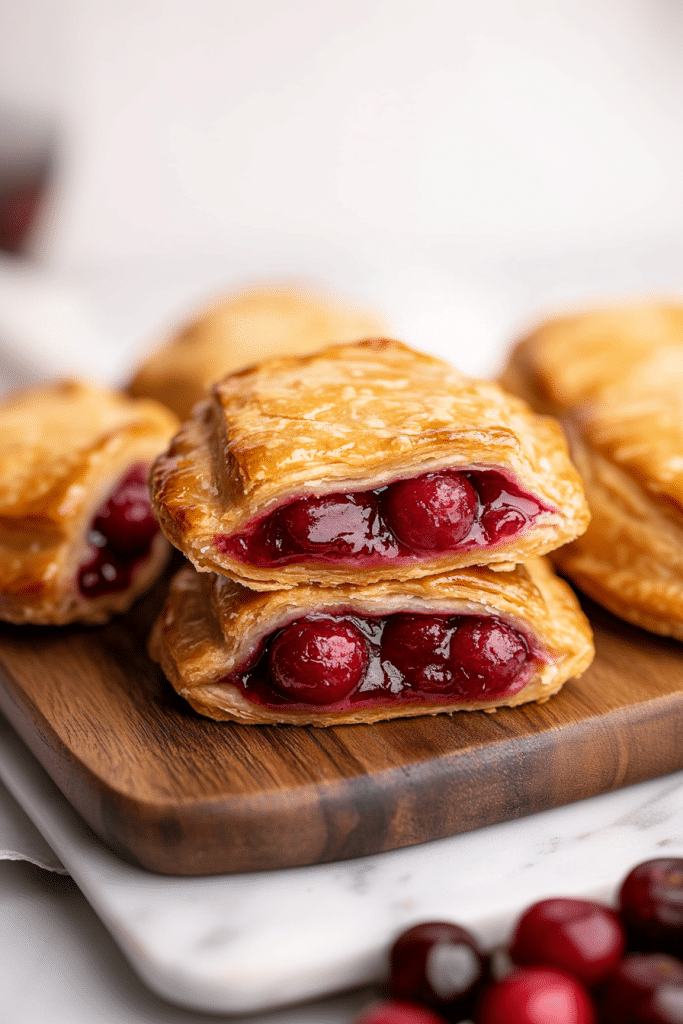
(26, 150)
(19, 204)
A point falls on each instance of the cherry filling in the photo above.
(436, 512)
(120, 536)
(348, 660)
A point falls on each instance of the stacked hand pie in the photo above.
(368, 525)
(615, 379)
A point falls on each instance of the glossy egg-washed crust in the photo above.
(615, 379)
(352, 418)
(242, 329)
(210, 625)
(63, 449)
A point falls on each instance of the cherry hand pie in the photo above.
(361, 463)
(78, 539)
(240, 330)
(615, 379)
(464, 640)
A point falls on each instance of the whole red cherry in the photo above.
(438, 964)
(580, 936)
(318, 660)
(394, 1011)
(486, 658)
(536, 995)
(419, 647)
(434, 512)
(643, 986)
(651, 906)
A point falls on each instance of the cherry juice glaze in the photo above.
(120, 537)
(493, 507)
(404, 658)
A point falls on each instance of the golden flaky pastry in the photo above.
(316, 469)
(65, 449)
(212, 629)
(615, 379)
(242, 329)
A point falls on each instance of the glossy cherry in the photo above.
(318, 661)
(580, 936)
(486, 658)
(642, 986)
(120, 535)
(438, 964)
(126, 519)
(394, 1011)
(339, 524)
(651, 906)
(433, 512)
(536, 995)
(419, 647)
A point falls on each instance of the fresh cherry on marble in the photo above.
(536, 995)
(651, 906)
(486, 658)
(641, 986)
(343, 524)
(580, 936)
(419, 646)
(438, 964)
(394, 1011)
(433, 512)
(318, 661)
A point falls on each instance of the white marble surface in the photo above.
(249, 943)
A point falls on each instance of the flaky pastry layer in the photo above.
(245, 328)
(210, 625)
(615, 379)
(63, 449)
(354, 418)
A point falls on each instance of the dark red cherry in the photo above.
(505, 510)
(440, 965)
(630, 995)
(663, 1006)
(486, 658)
(318, 661)
(419, 647)
(580, 936)
(651, 906)
(127, 520)
(339, 524)
(103, 574)
(433, 512)
(393, 1011)
(536, 995)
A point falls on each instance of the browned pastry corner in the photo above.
(212, 627)
(65, 449)
(357, 421)
(244, 328)
(614, 378)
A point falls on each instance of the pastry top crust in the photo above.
(615, 377)
(211, 625)
(239, 330)
(352, 418)
(62, 448)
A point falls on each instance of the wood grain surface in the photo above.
(180, 794)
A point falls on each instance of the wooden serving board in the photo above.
(180, 794)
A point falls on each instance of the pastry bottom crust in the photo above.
(630, 560)
(62, 603)
(198, 638)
